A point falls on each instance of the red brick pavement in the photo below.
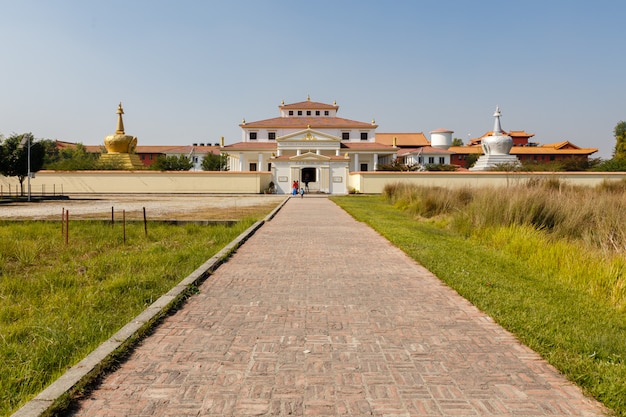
(318, 315)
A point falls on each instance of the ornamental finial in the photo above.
(120, 122)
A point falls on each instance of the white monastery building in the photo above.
(310, 144)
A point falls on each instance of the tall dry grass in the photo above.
(578, 234)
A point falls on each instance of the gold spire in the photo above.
(282, 103)
(373, 121)
(308, 97)
(334, 102)
(120, 122)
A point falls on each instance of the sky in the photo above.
(189, 71)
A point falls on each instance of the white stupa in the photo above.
(496, 148)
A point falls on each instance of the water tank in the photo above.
(441, 138)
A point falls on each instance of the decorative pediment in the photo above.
(308, 135)
(309, 156)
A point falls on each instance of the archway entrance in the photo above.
(308, 176)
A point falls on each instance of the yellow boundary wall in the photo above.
(374, 182)
(79, 182)
(209, 182)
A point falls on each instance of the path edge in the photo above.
(58, 395)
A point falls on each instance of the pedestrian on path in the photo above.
(301, 192)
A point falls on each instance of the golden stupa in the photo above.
(121, 147)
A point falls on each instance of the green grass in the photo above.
(578, 329)
(58, 302)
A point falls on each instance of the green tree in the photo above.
(172, 163)
(620, 141)
(212, 162)
(457, 142)
(72, 158)
(14, 157)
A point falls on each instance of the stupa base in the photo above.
(491, 162)
(125, 161)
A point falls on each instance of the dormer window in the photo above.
(363, 135)
(290, 112)
(252, 135)
(271, 135)
(308, 112)
(345, 135)
(299, 112)
(317, 112)
(326, 113)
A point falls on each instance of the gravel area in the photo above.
(171, 207)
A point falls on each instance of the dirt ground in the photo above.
(158, 207)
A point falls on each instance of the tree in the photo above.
(172, 163)
(457, 142)
(73, 158)
(620, 141)
(14, 157)
(212, 162)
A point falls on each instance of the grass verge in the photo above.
(582, 335)
(58, 302)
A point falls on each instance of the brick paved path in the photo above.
(318, 315)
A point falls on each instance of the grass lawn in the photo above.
(581, 335)
(58, 302)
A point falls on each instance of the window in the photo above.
(363, 167)
(271, 135)
(345, 135)
(269, 166)
(299, 112)
(252, 166)
(431, 159)
(442, 160)
(252, 135)
(317, 112)
(326, 113)
(290, 112)
(308, 112)
(363, 135)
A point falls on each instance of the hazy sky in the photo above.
(189, 71)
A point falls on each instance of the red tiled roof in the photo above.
(367, 146)
(412, 140)
(250, 146)
(154, 149)
(561, 145)
(513, 134)
(300, 122)
(526, 150)
(424, 149)
(308, 105)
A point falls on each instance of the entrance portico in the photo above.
(324, 174)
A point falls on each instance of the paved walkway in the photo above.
(318, 315)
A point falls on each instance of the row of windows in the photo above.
(431, 160)
(272, 135)
(308, 113)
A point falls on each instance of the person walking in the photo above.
(301, 192)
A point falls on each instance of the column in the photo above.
(260, 166)
(240, 161)
(375, 161)
(356, 162)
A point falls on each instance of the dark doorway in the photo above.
(307, 176)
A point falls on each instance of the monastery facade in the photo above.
(308, 143)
